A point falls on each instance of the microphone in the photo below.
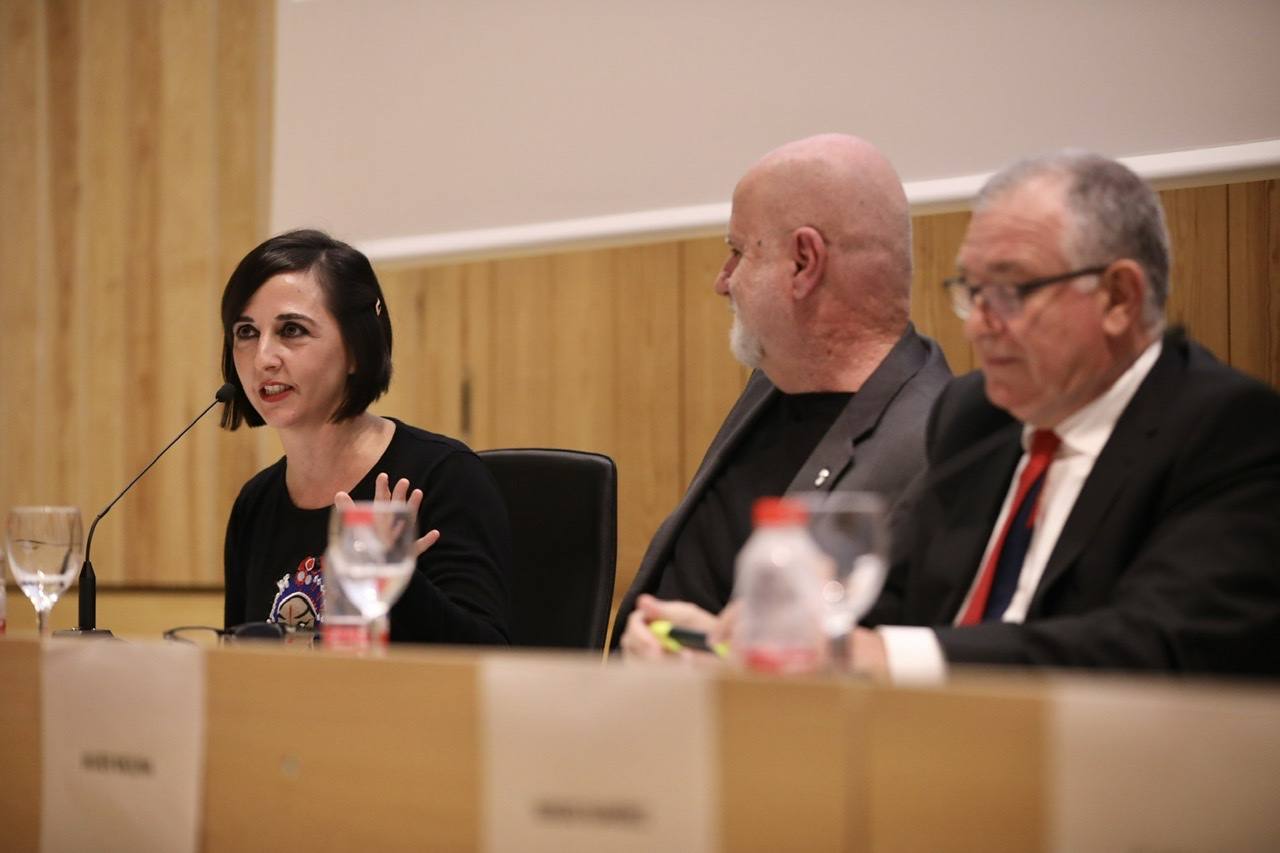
(88, 581)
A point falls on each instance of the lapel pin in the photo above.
(822, 477)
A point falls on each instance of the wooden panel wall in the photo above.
(935, 241)
(574, 350)
(625, 351)
(133, 174)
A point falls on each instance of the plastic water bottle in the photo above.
(342, 626)
(778, 580)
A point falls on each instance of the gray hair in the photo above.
(1114, 215)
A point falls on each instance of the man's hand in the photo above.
(867, 655)
(639, 643)
(382, 491)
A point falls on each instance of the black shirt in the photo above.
(459, 589)
(764, 463)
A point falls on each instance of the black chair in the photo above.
(564, 530)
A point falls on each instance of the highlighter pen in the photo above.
(674, 639)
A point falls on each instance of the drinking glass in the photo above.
(851, 528)
(371, 554)
(45, 552)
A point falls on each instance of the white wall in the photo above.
(451, 122)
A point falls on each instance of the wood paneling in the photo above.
(21, 28)
(926, 743)
(135, 614)
(105, 249)
(1272, 283)
(648, 397)
(801, 734)
(21, 751)
(428, 352)
(1199, 299)
(405, 768)
(576, 350)
(134, 166)
(400, 758)
(1254, 245)
(62, 37)
(518, 336)
(936, 239)
(584, 355)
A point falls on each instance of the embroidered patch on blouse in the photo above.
(299, 601)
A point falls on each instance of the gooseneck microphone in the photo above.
(88, 581)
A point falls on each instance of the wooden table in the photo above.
(993, 761)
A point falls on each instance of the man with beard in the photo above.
(819, 280)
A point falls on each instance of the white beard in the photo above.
(744, 345)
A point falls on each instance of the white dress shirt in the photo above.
(914, 654)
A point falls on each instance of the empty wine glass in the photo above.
(371, 554)
(851, 528)
(45, 552)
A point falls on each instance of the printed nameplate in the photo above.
(580, 756)
(1164, 767)
(123, 740)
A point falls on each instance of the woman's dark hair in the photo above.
(353, 296)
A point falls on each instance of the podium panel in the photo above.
(305, 748)
(20, 744)
(329, 751)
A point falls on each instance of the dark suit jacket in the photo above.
(1170, 558)
(876, 444)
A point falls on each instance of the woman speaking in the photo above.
(307, 343)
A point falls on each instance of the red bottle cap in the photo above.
(357, 515)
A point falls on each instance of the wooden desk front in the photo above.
(387, 754)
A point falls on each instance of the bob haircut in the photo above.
(352, 294)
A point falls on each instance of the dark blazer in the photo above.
(1170, 558)
(876, 444)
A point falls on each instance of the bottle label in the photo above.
(346, 633)
(352, 633)
(342, 626)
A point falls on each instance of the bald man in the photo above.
(819, 281)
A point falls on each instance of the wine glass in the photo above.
(371, 553)
(45, 552)
(851, 528)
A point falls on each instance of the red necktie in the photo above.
(1044, 443)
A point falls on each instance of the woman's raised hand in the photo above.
(382, 491)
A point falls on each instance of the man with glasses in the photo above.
(1103, 493)
(819, 280)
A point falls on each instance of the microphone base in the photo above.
(85, 633)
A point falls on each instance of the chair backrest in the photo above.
(564, 532)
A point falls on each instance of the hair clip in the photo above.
(377, 308)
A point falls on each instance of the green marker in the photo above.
(674, 639)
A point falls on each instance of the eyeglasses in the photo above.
(209, 637)
(1005, 300)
